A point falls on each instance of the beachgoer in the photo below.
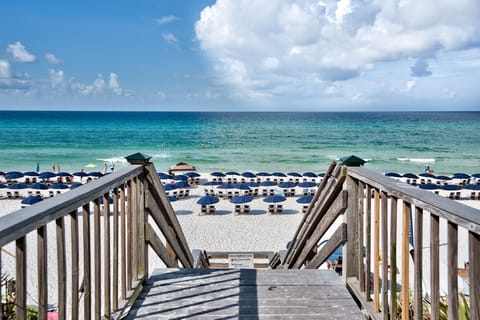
(112, 166)
(105, 167)
(53, 167)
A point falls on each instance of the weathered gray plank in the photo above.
(452, 261)
(337, 239)
(21, 278)
(75, 265)
(159, 248)
(474, 249)
(417, 268)
(61, 268)
(87, 278)
(245, 294)
(41, 273)
(434, 267)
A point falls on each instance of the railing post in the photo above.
(350, 251)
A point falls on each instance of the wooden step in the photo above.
(244, 294)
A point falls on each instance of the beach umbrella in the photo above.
(207, 200)
(430, 186)
(460, 176)
(451, 187)
(287, 185)
(80, 174)
(294, 174)
(248, 174)
(321, 175)
(410, 176)
(475, 175)
(241, 186)
(47, 175)
(13, 175)
(97, 174)
(31, 174)
(58, 186)
(75, 185)
(426, 175)
(232, 173)
(279, 174)
(309, 175)
(253, 184)
(393, 175)
(172, 198)
(182, 184)
(63, 174)
(443, 178)
(31, 200)
(39, 186)
(217, 174)
(192, 174)
(226, 186)
(18, 186)
(180, 177)
(472, 187)
(305, 199)
(267, 184)
(164, 176)
(2, 173)
(3, 186)
(307, 184)
(241, 199)
(170, 186)
(274, 199)
(212, 183)
(263, 174)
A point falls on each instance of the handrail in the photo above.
(108, 256)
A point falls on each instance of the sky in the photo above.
(240, 55)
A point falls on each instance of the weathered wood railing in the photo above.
(109, 256)
(376, 234)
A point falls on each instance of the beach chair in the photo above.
(472, 196)
(16, 194)
(292, 192)
(29, 193)
(229, 194)
(187, 193)
(220, 194)
(264, 192)
(271, 192)
(271, 208)
(203, 209)
(255, 192)
(238, 209)
(286, 192)
(9, 195)
(458, 195)
(51, 193)
(246, 209)
(236, 194)
(304, 209)
(38, 193)
(279, 208)
(181, 193)
(175, 194)
(207, 192)
(211, 209)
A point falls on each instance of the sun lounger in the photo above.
(204, 209)
(264, 192)
(51, 193)
(271, 192)
(237, 209)
(271, 208)
(279, 208)
(229, 194)
(16, 194)
(187, 193)
(304, 209)
(9, 194)
(246, 209)
(211, 209)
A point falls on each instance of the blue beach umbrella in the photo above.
(267, 184)
(17, 186)
(172, 198)
(232, 173)
(2, 173)
(31, 174)
(460, 176)
(253, 184)
(170, 186)
(472, 187)
(63, 174)
(294, 174)
(426, 175)
(180, 177)
(410, 176)
(274, 199)
(248, 174)
(80, 174)
(305, 199)
(241, 186)
(3, 186)
(31, 200)
(226, 186)
(207, 200)
(307, 184)
(476, 175)
(13, 175)
(309, 175)
(47, 175)
(321, 175)
(279, 174)
(192, 174)
(217, 174)
(241, 199)
(263, 174)
(393, 175)
(39, 186)
(212, 183)
(58, 186)
(451, 187)
(430, 186)
(182, 184)
(97, 174)
(287, 184)
(164, 176)
(443, 178)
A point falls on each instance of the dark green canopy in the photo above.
(352, 161)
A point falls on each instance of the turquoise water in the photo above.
(394, 141)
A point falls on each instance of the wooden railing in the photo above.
(378, 213)
(101, 264)
(221, 259)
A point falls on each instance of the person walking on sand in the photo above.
(105, 167)
(53, 167)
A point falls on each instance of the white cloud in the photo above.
(57, 78)
(5, 70)
(52, 58)
(411, 84)
(258, 50)
(166, 19)
(170, 38)
(19, 53)
(114, 84)
(99, 83)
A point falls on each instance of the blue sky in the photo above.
(240, 55)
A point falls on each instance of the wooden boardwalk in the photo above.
(244, 294)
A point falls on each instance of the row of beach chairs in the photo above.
(23, 194)
(258, 180)
(181, 193)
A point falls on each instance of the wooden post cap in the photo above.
(138, 158)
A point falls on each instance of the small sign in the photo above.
(240, 260)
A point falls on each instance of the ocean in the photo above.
(448, 142)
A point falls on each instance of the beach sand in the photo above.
(223, 231)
